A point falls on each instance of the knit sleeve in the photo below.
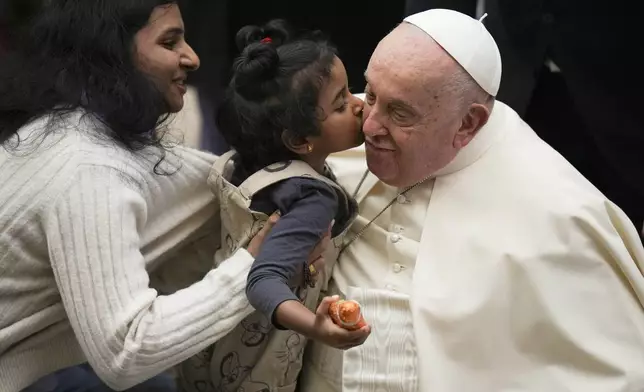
(127, 331)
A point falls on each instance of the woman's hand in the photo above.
(256, 243)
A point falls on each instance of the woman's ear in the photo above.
(297, 144)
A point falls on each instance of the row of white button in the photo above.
(395, 238)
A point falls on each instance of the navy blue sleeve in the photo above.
(307, 206)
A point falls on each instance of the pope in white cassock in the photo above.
(484, 260)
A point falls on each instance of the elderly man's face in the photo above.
(410, 121)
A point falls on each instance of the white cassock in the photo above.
(508, 272)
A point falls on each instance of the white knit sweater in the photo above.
(83, 225)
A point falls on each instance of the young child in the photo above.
(288, 107)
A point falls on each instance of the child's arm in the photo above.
(308, 206)
(296, 317)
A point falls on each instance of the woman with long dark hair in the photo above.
(95, 198)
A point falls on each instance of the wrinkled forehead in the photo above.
(408, 62)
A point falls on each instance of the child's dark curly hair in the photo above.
(273, 94)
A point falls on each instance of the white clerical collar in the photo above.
(481, 142)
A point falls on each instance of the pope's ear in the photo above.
(475, 118)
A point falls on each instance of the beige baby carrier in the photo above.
(255, 356)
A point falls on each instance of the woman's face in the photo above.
(164, 55)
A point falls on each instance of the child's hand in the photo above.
(327, 332)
